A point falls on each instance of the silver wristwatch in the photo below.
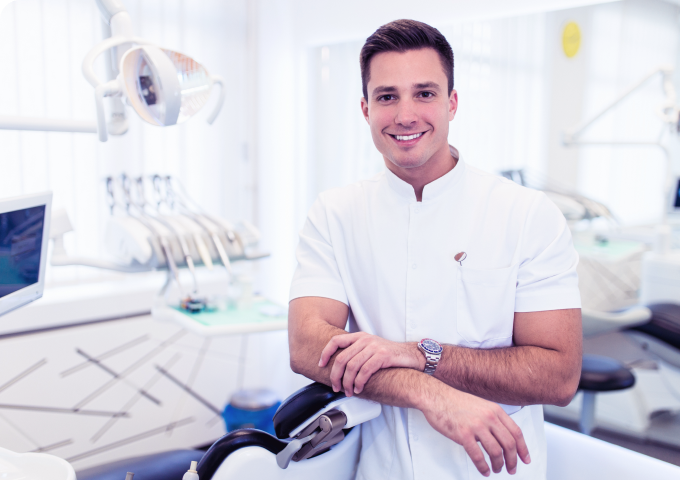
(433, 353)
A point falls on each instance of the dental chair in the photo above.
(318, 436)
(664, 324)
(595, 322)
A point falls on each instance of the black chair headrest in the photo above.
(229, 443)
(665, 323)
(297, 408)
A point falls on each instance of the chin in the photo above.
(412, 162)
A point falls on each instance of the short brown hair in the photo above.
(402, 36)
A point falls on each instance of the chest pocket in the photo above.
(485, 306)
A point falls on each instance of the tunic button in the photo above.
(415, 438)
(414, 266)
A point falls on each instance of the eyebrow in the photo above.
(383, 89)
(418, 86)
(432, 85)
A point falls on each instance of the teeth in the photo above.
(407, 137)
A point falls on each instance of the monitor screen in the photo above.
(21, 239)
(676, 196)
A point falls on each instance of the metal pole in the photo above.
(571, 135)
(8, 122)
(587, 420)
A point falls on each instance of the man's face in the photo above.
(409, 108)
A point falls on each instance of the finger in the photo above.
(516, 432)
(338, 341)
(493, 449)
(367, 370)
(338, 370)
(477, 457)
(353, 367)
(509, 445)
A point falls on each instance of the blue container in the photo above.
(251, 409)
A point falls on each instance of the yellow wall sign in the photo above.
(571, 39)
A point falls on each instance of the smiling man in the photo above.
(459, 287)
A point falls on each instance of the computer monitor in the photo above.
(24, 233)
(675, 196)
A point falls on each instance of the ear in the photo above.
(453, 104)
(364, 108)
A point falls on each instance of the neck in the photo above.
(439, 164)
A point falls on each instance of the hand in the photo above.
(364, 355)
(467, 419)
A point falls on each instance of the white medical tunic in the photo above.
(390, 258)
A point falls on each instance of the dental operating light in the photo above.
(164, 87)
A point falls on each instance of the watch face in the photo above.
(431, 346)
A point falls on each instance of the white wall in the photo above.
(320, 22)
(566, 82)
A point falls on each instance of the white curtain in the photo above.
(500, 79)
(42, 44)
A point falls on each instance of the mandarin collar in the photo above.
(433, 189)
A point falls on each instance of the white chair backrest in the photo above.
(255, 463)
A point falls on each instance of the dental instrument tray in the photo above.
(261, 316)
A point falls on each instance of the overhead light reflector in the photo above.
(164, 87)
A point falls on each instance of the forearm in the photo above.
(316, 338)
(521, 375)
(400, 387)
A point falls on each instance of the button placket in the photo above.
(411, 267)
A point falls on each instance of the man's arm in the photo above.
(464, 418)
(542, 368)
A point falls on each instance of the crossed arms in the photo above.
(542, 368)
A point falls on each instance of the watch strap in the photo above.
(430, 364)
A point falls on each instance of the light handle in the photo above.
(216, 79)
(88, 61)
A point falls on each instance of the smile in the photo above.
(404, 138)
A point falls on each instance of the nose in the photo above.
(406, 113)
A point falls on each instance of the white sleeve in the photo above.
(547, 278)
(317, 273)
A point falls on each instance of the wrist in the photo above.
(418, 356)
(429, 394)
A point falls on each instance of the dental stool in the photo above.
(318, 434)
(600, 374)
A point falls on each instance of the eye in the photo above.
(426, 94)
(386, 98)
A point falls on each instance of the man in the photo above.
(435, 249)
